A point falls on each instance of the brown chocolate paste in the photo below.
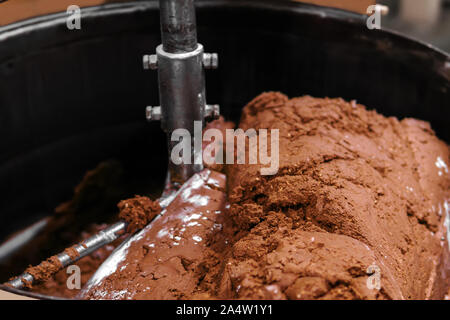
(355, 192)
(354, 189)
(138, 212)
(174, 253)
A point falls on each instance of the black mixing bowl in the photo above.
(72, 98)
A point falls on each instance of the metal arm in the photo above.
(181, 61)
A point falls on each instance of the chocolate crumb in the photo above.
(72, 253)
(138, 212)
(43, 271)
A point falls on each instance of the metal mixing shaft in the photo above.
(87, 246)
(83, 249)
(181, 61)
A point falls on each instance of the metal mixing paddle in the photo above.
(180, 61)
(86, 247)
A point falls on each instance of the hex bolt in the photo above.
(150, 61)
(212, 111)
(153, 113)
(210, 60)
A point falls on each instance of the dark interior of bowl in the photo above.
(71, 99)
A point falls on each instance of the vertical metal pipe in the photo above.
(182, 98)
(178, 25)
(181, 81)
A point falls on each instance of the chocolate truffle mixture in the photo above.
(357, 195)
(355, 192)
(354, 189)
(169, 258)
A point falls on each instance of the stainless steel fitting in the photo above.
(210, 60)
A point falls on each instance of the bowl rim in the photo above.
(38, 23)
